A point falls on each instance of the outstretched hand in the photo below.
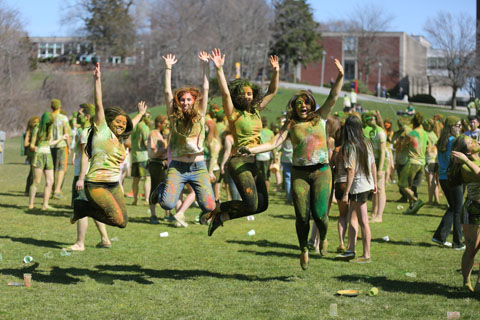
(142, 107)
(339, 67)
(217, 58)
(170, 60)
(96, 72)
(203, 55)
(274, 63)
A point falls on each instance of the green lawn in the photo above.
(189, 275)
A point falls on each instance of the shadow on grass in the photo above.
(264, 244)
(50, 213)
(36, 242)
(405, 243)
(13, 194)
(409, 287)
(283, 216)
(107, 274)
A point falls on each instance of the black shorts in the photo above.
(361, 197)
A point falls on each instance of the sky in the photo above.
(42, 18)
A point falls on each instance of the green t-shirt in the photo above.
(245, 128)
(377, 136)
(43, 146)
(140, 142)
(417, 146)
(431, 153)
(107, 155)
(187, 138)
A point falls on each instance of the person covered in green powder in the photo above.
(416, 142)
(40, 143)
(186, 109)
(110, 127)
(32, 123)
(378, 138)
(311, 173)
(242, 102)
(139, 156)
(80, 159)
(465, 169)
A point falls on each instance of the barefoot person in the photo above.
(186, 109)
(242, 103)
(80, 159)
(40, 143)
(106, 152)
(467, 170)
(311, 173)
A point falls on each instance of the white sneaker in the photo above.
(443, 244)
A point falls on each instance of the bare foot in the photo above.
(47, 208)
(30, 207)
(76, 247)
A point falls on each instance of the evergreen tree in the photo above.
(109, 26)
(295, 33)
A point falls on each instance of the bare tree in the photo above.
(454, 36)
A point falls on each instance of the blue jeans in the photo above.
(194, 173)
(287, 179)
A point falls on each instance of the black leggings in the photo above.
(250, 185)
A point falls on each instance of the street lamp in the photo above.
(379, 79)
(324, 53)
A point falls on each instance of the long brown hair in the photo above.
(292, 116)
(193, 114)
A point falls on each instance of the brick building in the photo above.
(400, 58)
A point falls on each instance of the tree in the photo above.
(295, 33)
(454, 36)
(107, 23)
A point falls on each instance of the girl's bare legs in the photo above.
(180, 214)
(379, 198)
(342, 225)
(352, 228)
(362, 215)
(48, 188)
(471, 234)
(82, 226)
(217, 191)
(37, 178)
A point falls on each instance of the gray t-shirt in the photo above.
(361, 183)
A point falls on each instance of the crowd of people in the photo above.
(318, 158)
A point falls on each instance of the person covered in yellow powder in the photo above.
(311, 173)
(106, 151)
(40, 143)
(186, 109)
(242, 103)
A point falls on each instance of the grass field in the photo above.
(231, 275)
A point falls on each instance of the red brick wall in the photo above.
(312, 72)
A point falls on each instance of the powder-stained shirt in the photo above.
(361, 181)
(377, 136)
(139, 142)
(82, 137)
(266, 135)
(156, 142)
(417, 146)
(60, 127)
(287, 151)
(107, 155)
(309, 143)
(43, 146)
(431, 153)
(245, 128)
(470, 179)
(187, 138)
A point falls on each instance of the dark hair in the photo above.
(237, 93)
(446, 133)
(417, 119)
(292, 116)
(353, 138)
(159, 120)
(110, 115)
(472, 117)
(454, 173)
(333, 129)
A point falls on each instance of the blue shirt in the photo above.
(444, 160)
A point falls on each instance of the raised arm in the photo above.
(218, 60)
(83, 169)
(99, 113)
(203, 56)
(142, 109)
(170, 60)
(325, 109)
(273, 87)
(227, 150)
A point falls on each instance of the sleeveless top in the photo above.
(309, 143)
(245, 128)
(186, 139)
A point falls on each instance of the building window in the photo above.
(42, 49)
(50, 49)
(58, 49)
(349, 66)
(349, 45)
